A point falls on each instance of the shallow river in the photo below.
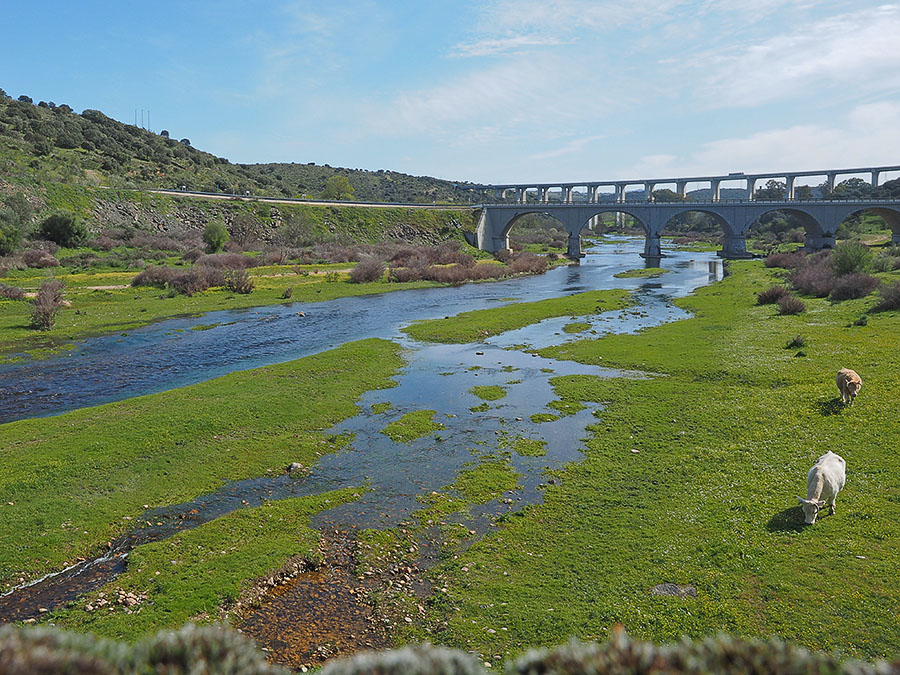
(436, 377)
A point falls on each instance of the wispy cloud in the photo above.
(507, 45)
(572, 147)
(867, 136)
(860, 49)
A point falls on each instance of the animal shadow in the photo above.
(789, 520)
(832, 406)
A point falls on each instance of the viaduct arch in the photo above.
(820, 220)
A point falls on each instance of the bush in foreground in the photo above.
(851, 257)
(853, 285)
(771, 295)
(35, 257)
(788, 304)
(890, 297)
(220, 651)
(47, 303)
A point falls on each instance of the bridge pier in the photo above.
(574, 249)
(734, 247)
(652, 247)
(817, 242)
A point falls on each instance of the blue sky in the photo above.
(493, 91)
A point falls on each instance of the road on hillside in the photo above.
(311, 202)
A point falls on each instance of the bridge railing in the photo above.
(647, 202)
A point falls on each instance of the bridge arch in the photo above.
(816, 236)
(517, 219)
(890, 215)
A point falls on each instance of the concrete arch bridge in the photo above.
(820, 220)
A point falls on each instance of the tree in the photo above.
(337, 187)
(10, 232)
(667, 195)
(185, 141)
(214, 236)
(852, 188)
(803, 192)
(164, 133)
(64, 228)
(774, 191)
(18, 203)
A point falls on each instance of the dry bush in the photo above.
(47, 303)
(227, 261)
(447, 274)
(405, 274)
(238, 281)
(889, 297)
(287, 293)
(851, 286)
(487, 270)
(813, 279)
(35, 257)
(157, 242)
(102, 243)
(771, 295)
(232, 246)
(788, 304)
(528, 263)
(155, 275)
(50, 247)
(11, 292)
(193, 255)
(785, 260)
(367, 270)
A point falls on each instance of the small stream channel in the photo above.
(436, 377)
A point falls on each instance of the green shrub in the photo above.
(10, 232)
(723, 655)
(64, 228)
(214, 236)
(414, 660)
(849, 257)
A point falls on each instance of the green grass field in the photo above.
(724, 435)
(71, 483)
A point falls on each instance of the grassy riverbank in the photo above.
(692, 477)
(73, 482)
(483, 323)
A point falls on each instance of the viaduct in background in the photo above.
(581, 203)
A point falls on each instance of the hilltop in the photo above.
(46, 142)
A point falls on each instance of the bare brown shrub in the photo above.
(851, 286)
(35, 257)
(367, 270)
(11, 292)
(228, 261)
(47, 303)
(771, 295)
(788, 304)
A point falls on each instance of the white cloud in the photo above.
(572, 147)
(853, 54)
(492, 46)
(869, 135)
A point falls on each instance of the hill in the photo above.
(46, 142)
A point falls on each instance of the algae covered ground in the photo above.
(691, 478)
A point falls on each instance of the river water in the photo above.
(436, 377)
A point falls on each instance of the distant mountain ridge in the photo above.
(48, 142)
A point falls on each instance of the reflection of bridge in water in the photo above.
(820, 218)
